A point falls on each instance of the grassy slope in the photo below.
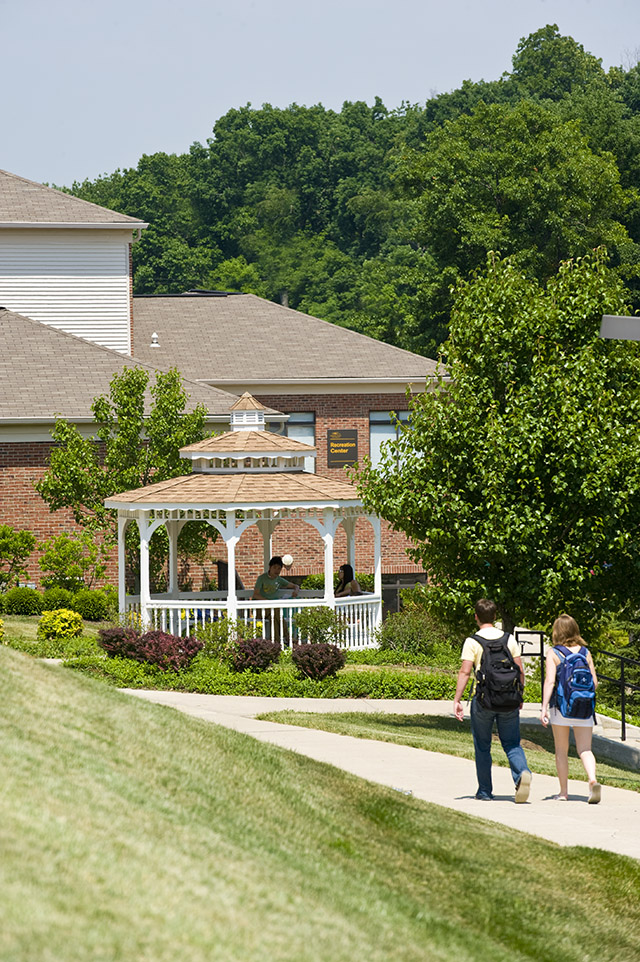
(131, 832)
(437, 734)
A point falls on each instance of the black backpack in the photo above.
(498, 679)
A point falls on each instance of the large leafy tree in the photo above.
(519, 477)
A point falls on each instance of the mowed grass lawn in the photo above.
(435, 733)
(132, 832)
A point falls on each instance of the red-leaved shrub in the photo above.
(168, 651)
(319, 660)
(255, 654)
(120, 642)
(155, 647)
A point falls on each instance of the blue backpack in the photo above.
(575, 692)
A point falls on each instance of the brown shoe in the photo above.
(595, 793)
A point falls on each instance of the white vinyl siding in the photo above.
(76, 281)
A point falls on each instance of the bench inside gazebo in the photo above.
(243, 478)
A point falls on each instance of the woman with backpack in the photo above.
(568, 701)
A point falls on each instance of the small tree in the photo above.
(15, 548)
(140, 430)
(519, 478)
(72, 561)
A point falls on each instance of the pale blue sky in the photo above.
(88, 88)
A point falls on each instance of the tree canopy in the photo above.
(367, 216)
(129, 449)
(519, 476)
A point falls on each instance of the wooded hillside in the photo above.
(368, 216)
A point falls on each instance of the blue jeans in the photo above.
(508, 724)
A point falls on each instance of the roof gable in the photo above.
(26, 203)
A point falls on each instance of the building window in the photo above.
(302, 426)
(382, 428)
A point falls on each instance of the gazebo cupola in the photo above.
(247, 448)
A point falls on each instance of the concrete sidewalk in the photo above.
(613, 825)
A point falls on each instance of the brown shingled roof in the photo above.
(241, 490)
(27, 202)
(242, 337)
(44, 371)
(262, 442)
(247, 402)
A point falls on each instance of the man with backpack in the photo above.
(499, 685)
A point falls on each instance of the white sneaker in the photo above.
(595, 793)
(523, 786)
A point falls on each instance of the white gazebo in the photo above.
(246, 477)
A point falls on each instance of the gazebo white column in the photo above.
(377, 557)
(349, 525)
(122, 586)
(266, 527)
(145, 589)
(173, 530)
(327, 528)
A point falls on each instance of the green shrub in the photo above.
(72, 561)
(60, 624)
(23, 601)
(416, 632)
(15, 548)
(318, 660)
(91, 604)
(54, 598)
(219, 637)
(1, 603)
(316, 582)
(316, 625)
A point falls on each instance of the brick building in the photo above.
(70, 323)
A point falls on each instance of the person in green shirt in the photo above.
(269, 584)
(266, 589)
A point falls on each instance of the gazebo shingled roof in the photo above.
(264, 442)
(241, 490)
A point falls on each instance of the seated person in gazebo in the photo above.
(269, 584)
(347, 584)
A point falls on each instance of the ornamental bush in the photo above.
(168, 651)
(255, 654)
(318, 661)
(60, 624)
(320, 625)
(120, 642)
(316, 582)
(23, 601)
(92, 604)
(54, 598)
(220, 637)
(415, 631)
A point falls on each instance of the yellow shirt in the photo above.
(472, 649)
